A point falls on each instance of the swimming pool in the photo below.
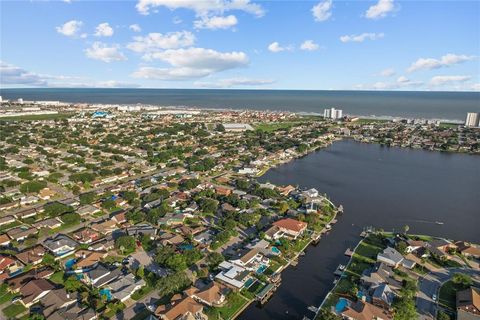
(275, 250)
(106, 292)
(341, 305)
(69, 264)
(262, 269)
(248, 283)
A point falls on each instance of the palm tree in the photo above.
(405, 229)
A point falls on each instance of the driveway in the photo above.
(430, 284)
(138, 306)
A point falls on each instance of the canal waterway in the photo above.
(381, 187)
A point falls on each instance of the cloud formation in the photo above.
(103, 52)
(154, 42)
(191, 63)
(361, 37)
(443, 80)
(203, 7)
(387, 72)
(216, 22)
(13, 75)
(309, 45)
(380, 10)
(322, 11)
(234, 82)
(135, 27)
(103, 30)
(445, 61)
(70, 28)
(276, 47)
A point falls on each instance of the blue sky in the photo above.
(364, 45)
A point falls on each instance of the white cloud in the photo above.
(443, 80)
(216, 22)
(475, 87)
(135, 27)
(276, 47)
(309, 45)
(157, 41)
(380, 10)
(191, 63)
(445, 61)
(387, 72)
(401, 82)
(234, 82)
(115, 84)
(202, 7)
(361, 37)
(103, 30)
(103, 52)
(322, 10)
(13, 75)
(70, 28)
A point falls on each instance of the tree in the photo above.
(55, 209)
(126, 244)
(441, 315)
(214, 259)
(108, 204)
(87, 198)
(71, 218)
(189, 184)
(463, 280)
(401, 247)
(32, 186)
(327, 315)
(406, 228)
(72, 284)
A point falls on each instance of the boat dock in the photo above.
(263, 296)
(339, 271)
(349, 252)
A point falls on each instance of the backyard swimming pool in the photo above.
(69, 264)
(341, 304)
(262, 269)
(106, 292)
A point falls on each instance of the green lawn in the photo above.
(5, 295)
(58, 116)
(274, 126)
(235, 301)
(57, 277)
(448, 293)
(142, 292)
(13, 310)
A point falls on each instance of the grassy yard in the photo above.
(274, 126)
(5, 295)
(13, 310)
(57, 277)
(448, 293)
(58, 116)
(142, 292)
(235, 302)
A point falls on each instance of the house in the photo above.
(142, 229)
(204, 238)
(7, 220)
(223, 190)
(87, 209)
(467, 249)
(60, 245)
(252, 260)
(147, 261)
(105, 226)
(33, 255)
(28, 200)
(468, 304)
(378, 274)
(74, 311)
(310, 193)
(362, 310)
(394, 259)
(27, 213)
(383, 296)
(51, 223)
(232, 275)
(212, 295)
(181, 308)
(21, 233)
(18, 281)
(35, 290)
(87, 260)
(171, 238)
(104, 244)
(9, 266)
(289, 227)
(119, 217)
(86, 235)
(56, 299)
(101, 275)
(46, 194)
(4, 240)
(440, 247)
(123, 287)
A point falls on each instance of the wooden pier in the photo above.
(263, 296)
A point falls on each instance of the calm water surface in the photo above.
(378, 186)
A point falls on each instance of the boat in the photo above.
(313, 309)
(439, 222)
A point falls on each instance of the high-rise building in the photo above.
(472, 120)
(332, 113)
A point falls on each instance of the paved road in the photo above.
(430, 284)
(138, 306)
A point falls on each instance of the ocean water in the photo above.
(429, 105)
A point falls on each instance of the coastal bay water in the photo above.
(381, 187)
(429, 105)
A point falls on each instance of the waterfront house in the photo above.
(181, 308)
(467, 249)
(362, 310)
(232, 275)
(252, 260)
(440, 247)
(288, 227)
(394, 259)
(212, 295)
(468, 304)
